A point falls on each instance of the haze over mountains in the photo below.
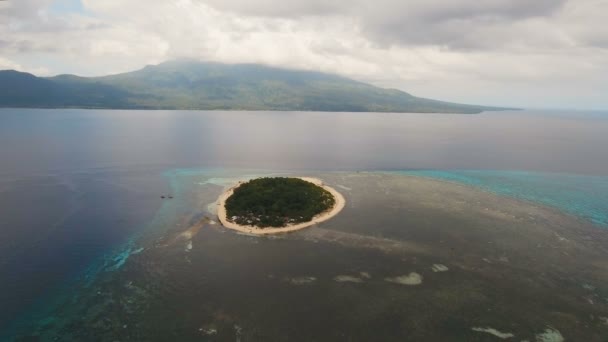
(187, 84)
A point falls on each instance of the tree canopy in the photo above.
(277, 201)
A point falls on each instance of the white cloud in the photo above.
(509, 52)
(8, 64)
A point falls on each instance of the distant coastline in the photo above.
(195, 85)
(338, 206)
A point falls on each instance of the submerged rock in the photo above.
(301, 280)
(550, 335)
(347, 279)
(439, 268)
(494, 332)
(208, 330)
(410, 279)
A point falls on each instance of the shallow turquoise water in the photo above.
(581, 195)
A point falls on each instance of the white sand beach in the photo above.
(338, 206)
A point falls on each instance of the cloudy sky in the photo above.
(529, 53)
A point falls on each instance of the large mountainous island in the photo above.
(187, 84)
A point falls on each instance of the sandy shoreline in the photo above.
(338, 206)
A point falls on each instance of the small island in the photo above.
(272, 205)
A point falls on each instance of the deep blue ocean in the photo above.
(77, 185)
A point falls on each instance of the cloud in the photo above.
(370, 11)
(505, 51)
(457, 23)
(8, 64)
(280, 9)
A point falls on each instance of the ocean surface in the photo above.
(582, 196)
(79, 188)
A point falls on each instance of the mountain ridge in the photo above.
(198, 85)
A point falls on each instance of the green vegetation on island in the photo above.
(277, 202)
(197, 85)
